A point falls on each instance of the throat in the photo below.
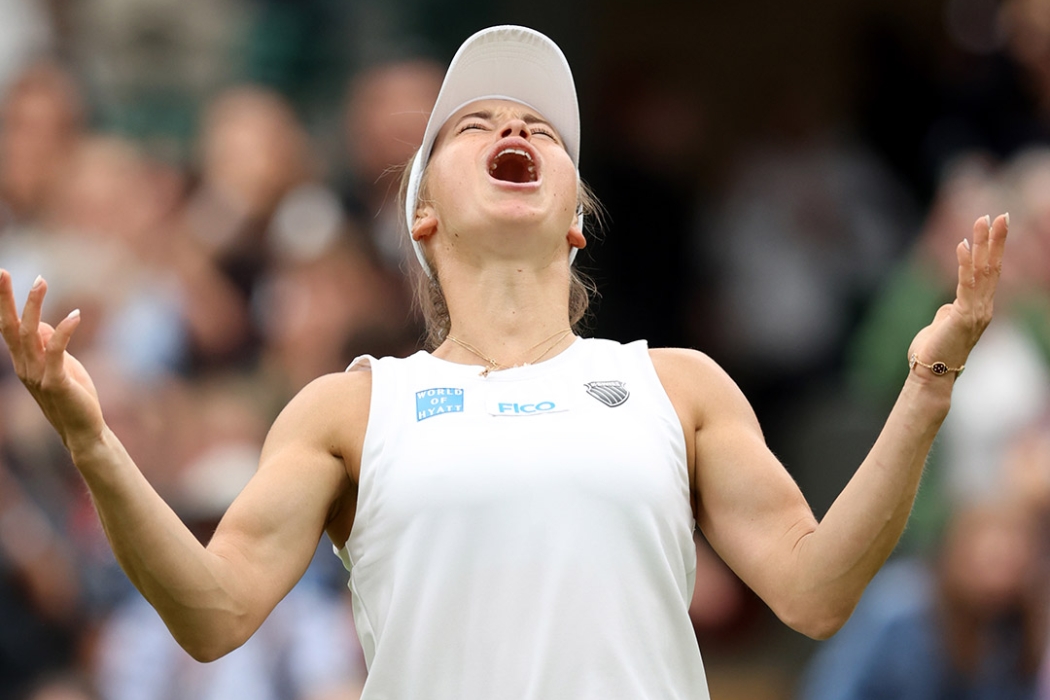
(544, 348)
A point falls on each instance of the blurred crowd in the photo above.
(231, 233)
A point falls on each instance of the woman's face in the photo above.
(499, 183)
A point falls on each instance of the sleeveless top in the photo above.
(526, 535)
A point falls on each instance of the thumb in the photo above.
(942, 312)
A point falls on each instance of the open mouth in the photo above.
(513, 165)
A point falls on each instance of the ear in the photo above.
(575, 235)
(425, 223)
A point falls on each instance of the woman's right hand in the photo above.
(58, 382)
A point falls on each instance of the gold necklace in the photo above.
(493, 365)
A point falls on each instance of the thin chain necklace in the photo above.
(493, 365)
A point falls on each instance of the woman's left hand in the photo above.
(957, 326)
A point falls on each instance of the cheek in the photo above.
(567, 193)
(447, 183)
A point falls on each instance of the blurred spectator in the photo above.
(305, 650)
(979, 85)
(320, 309)
(41, 117)
(258, 172)
(386, 113)
(643, 169)
(103, 243)
(253, 152)
(39, 591)
(110, 213)
(721, 604)
(63, 686)
(808, 224)
(25, 34)
(1027, 468)
(149, 64)
(972, 626)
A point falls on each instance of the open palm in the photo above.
(56, 379)
(957, 326)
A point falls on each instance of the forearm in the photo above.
(862, 527)
(181, 579)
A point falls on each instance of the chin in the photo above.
(524, 214)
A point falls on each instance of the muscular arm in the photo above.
(754, 515)
(812, 574)
(213, 598)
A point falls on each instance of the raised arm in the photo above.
(812, 574)
(212, 598)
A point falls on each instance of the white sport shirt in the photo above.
(525, 535)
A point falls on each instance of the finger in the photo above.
(45, 331)
(981, 230)
(54, 356)
(8, 312)
(32, 349)
(964, 290)
(997, 245)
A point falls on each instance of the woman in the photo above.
(517, 507)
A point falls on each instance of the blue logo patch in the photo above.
(434, 402)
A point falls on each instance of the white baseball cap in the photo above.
(506, 63)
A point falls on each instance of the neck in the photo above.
(506, 313)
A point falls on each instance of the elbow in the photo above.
(818, 619)
(206, 653)
(206, 647)
(820, 629)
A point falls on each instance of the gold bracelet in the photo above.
(938, 368)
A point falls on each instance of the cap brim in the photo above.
(505, 62)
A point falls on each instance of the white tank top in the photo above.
(526, 535)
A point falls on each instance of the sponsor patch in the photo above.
(519, 399)
(438, 401)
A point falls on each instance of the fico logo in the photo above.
(520, 408)
(525, 399)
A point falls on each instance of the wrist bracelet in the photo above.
(938, 368)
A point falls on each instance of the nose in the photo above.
(516, 127)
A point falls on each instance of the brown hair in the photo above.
(430, 298)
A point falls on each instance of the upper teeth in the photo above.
(515, 151)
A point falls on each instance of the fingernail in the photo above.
(1007, 215)
(38, 281)
(966, 243)
(75, 313)
(988, 220)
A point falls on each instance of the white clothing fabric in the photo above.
(526, 535)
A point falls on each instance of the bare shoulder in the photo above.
(339, 391)
(683, 363)
(697, 385)
(329, 414)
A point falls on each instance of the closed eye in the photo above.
(471, 125)
(540, 130)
